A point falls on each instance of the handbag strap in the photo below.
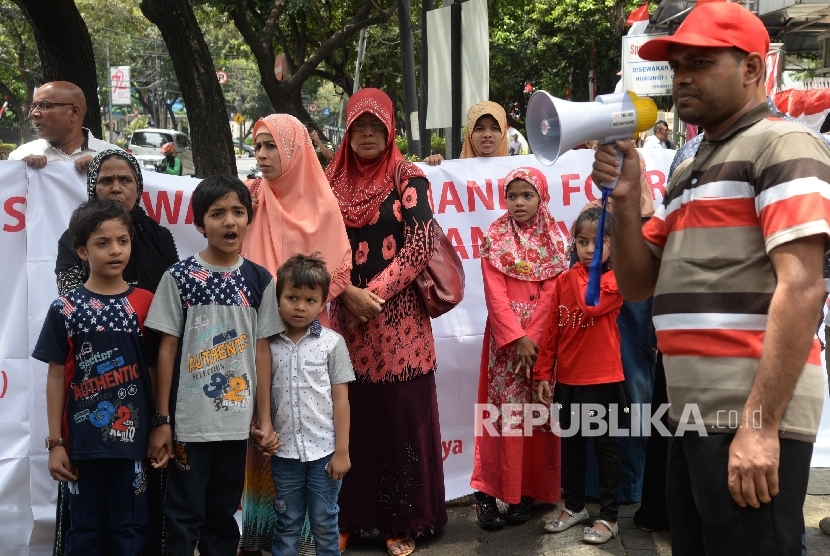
(397, 177)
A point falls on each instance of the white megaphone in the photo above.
(555, 126)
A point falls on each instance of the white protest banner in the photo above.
(467, 195)
(642, 76)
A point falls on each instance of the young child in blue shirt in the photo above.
(310, 409)
(215, 311)
(98, 391)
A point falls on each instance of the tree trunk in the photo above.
(66, 50)
(208, 120)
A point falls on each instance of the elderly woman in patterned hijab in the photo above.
(396, 485)
(115, 174)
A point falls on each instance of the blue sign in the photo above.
(326, 111)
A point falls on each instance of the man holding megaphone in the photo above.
(733, 257)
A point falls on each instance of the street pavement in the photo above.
(462, 536)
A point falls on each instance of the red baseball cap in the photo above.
(713, 25)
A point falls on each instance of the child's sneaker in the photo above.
(519, 513)
(489, 516)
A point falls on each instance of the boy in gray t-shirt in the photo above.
(215, 311)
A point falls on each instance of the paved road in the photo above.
(244, 165)
(462, 536)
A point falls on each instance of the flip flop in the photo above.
(390, 542)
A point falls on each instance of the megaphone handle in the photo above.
(613, 184)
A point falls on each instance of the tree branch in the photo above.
(360, 21)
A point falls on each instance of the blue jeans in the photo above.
(300, 486)
(108, 508)
(637, 343)
(204, 490)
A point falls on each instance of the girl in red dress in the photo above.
(580, 352)
(523, 252)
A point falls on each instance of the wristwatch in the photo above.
(52, 442)
(157, 420)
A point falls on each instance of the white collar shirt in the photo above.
(302, 375)
(652, 142)
(41, 147)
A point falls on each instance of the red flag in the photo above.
(640, 14)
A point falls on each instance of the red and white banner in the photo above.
(466, 196)
(809, 106)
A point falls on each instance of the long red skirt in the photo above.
(509, 467)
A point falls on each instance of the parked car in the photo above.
(245, 148)
(145, 146)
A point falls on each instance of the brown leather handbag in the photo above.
(441, 284)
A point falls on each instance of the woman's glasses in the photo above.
(361, 126)
(45, 105)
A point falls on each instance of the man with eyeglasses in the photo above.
(660, 137)
(58, 110)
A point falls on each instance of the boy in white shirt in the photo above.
(310, 410)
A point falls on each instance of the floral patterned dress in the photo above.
(396, 484)
(509, 467)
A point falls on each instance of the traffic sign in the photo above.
(312, 108)
(239, 118)
(326, 111)
(222, 77)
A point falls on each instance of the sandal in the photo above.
(556, 526)
(390, 542)
(345, 539)
(593, 536)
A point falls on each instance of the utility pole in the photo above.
(239, 105)
(449, 132)
(410, 103)
(361, 51)
(109, 107)
(455, 77)
(426, 134)
(158, 94)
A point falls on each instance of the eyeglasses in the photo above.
(361, 126)
(45, 105)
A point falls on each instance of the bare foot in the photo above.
(400, 547)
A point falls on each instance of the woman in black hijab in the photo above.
(154, 249)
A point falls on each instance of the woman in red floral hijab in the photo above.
(396, 483)
(522, 254)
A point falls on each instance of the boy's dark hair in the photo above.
(217, 187)
(89, 215)
(305, 271)
(591, 216)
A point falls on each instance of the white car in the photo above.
(145, 146)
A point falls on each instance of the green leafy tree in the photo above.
(308, 32)
(553, 44)
(65, 50)
(19, 68)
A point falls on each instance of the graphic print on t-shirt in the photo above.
(108, 403)
(229, 390)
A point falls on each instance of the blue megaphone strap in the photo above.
(595, 270)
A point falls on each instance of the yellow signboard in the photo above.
(239, 118)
